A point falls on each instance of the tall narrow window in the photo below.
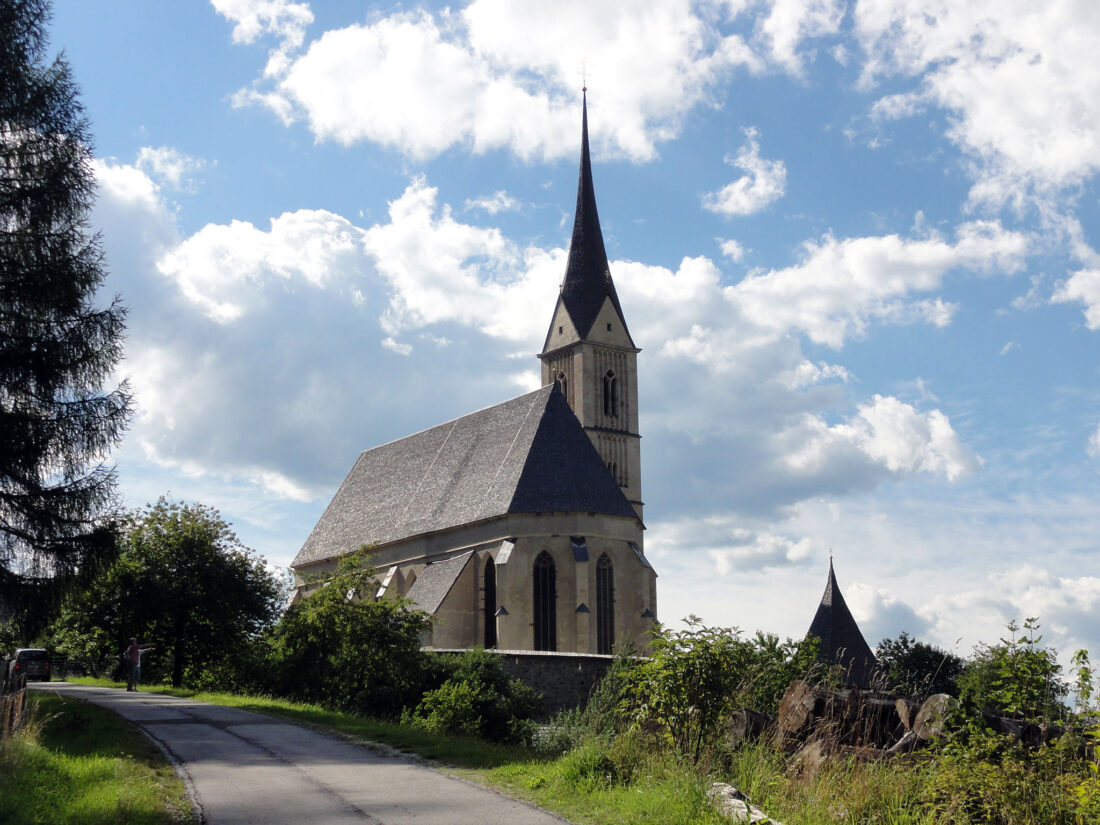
(490, 610)
(605, 605)
(545, 603)
(563, 384)
(610, 395)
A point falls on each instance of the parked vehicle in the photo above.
(33, 662)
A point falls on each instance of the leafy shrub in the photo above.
(478, 699)
(981, 777)
(696, 677)
(1018, 676)
(362, 656)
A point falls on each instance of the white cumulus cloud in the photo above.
(890, 433)
(842, 285)
(222, 267)
(256, 18)
(504, 74)
(1011, 74)
(499, 201)
(764, 183)
(1094, 443)
(441, 270)
(1082, 286)
(170, 166)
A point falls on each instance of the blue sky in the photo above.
(856, 242)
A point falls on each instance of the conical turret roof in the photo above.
(842, 642)
(587, 283)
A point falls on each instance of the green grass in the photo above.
(462, 752)
(630, 780)
(659, 792)
(77, 764)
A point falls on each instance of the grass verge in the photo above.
(77, 764)
(578, 785)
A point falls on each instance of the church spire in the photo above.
(588, 351)
(587, 283)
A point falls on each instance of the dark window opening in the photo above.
(545, 603)
(609, 327)
(605, 605)
(563, 384)
(490, 610)
(610, 395)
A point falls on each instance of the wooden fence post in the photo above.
(13, 699)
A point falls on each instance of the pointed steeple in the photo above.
(588, 350)
(842, 643)
(587, 283)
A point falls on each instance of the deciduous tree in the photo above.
(918, 667)
(184, 583)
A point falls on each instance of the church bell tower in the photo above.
(588, 352)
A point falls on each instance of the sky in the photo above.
(856, 242)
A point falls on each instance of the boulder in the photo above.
(734, 804)
(932, 716)
(746, 726)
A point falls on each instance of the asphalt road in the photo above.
(248, 768)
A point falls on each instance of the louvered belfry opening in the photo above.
(490, 609)
(545, 603)
(605, 605)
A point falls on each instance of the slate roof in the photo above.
(435, 582)
(842, 642)
(587, 281)
(526, 455)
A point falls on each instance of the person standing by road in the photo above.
(132, 657)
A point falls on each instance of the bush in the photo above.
(982, 777)
(695, 678)
(1018, 677)
(361, 656)
(478, 699)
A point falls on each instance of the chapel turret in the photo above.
(588, 352)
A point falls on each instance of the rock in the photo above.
(746, 726)
(857, 718)
(810, 758)
(904, 708)
(732, 803)
(907, 744)
(796, 710)
(932, 716)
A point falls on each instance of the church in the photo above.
(519, 526)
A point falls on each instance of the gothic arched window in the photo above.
(545, 603)
(605, 605)
(610, 394)
(563, 384)
(490, 609)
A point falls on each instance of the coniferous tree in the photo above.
(57, 347)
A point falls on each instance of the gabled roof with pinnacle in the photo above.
(842, 643)
(526, 455)
(587, 283)
(435, 582)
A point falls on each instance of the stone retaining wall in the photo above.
(565, 680)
